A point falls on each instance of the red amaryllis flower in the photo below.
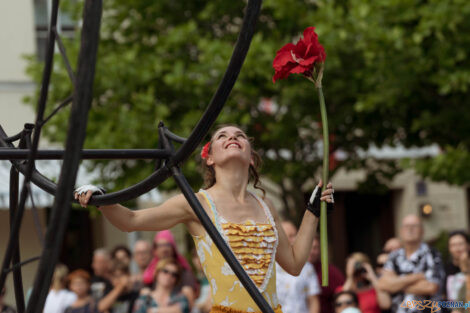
(299, 58)
(205, 150)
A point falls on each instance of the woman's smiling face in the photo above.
(227, 143)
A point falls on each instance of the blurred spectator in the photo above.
(101, 280)
(392, 244)
(165, 294)
(335, 277)
(381, 260)
(142, 255)
(345, 299)
(414, 272)
(297, 294)
(122, 254)
(457, 270)
(203, 302)
(59, 298)
(127, 295)
(79, 283)
(361, 279)
(164, 248)
(3, 307)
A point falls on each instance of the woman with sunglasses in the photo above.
(362, 280)
(164, 298)
(344, 300)
(249, 223)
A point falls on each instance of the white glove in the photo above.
(85, 188)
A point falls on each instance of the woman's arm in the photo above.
(292, 258)
(173, 211)
(383, 298)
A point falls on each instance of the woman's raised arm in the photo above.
(171, 212)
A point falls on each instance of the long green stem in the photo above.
(323, 220)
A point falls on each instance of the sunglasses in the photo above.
(347, 302)
(174, 274)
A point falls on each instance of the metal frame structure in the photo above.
(169, 159)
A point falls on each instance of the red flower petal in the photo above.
(283, 56)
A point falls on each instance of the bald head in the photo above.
(290, 230)
(411, 231)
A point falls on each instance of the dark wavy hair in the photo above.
(209, 172)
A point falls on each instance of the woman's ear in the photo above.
(209, 161)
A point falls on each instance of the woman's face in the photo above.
(163, 249)
(457, 246)
(122, 257)
(228, 143)
(80, 286)
(344, 301)
(168, 276)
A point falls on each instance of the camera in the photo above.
(359, 269)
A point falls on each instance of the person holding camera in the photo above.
(361, 279)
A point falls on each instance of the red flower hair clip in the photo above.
(205, 150)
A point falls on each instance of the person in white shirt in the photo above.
(297, 294)
(59, 298)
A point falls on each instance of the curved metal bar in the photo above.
(225, 87)
(174, 137)
(201, 129)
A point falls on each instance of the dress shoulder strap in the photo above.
(266, 209)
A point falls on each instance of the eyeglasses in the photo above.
(174, 274)
(347, 302)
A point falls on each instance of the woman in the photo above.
(121, 254)
(164, 298)
(361, 279)
(79, 283)
(59, 298)
(344, 300)
(239, 215)
(164, 245)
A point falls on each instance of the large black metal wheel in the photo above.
(73, 153)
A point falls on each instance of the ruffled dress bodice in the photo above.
(254, 245)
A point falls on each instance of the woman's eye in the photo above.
(221, 135)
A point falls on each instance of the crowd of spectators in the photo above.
(406, 272)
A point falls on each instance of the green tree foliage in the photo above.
(397, 73)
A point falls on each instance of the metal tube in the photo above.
(87, 154)
(17, 277)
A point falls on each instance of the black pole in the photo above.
(82, 97)
(17, 277)
(87, 154)
(219, 241)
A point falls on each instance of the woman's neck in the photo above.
(231, 181)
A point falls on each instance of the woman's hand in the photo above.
(350, 267)
(313, 204)
(83, 194)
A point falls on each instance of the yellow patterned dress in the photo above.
(254, 245)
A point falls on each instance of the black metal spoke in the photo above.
(20, 264)
(61, 46)
(59, 107)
